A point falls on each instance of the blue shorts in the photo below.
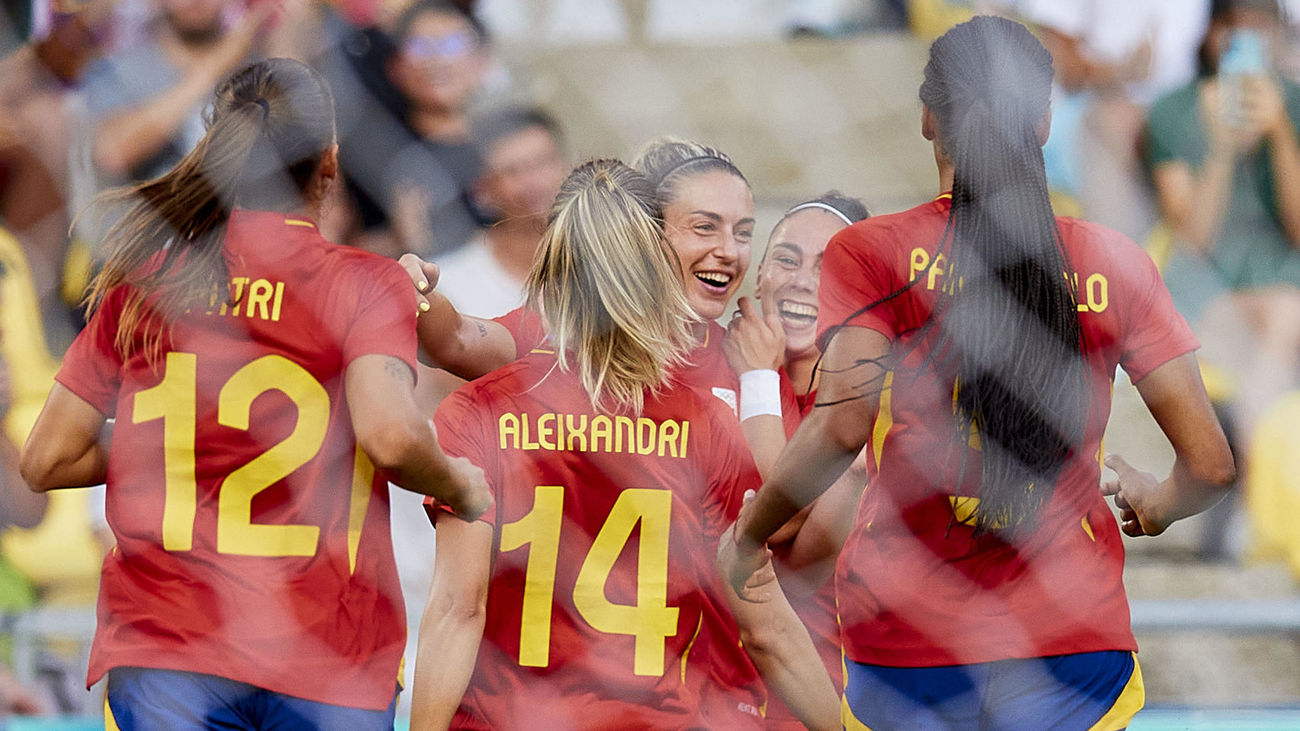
(144, 698)
(1092, 691)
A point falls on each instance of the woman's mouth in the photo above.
(715, 282)
(797, 314)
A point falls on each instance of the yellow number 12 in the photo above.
(173, 401)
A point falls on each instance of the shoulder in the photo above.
(889, 232)
(1095, 249)
(1175, 104)
(1093, 240)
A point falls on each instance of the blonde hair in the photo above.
(609, 286)
(666, 160)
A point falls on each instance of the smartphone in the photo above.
(1247, 54)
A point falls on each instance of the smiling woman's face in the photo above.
(788, 277)
(710, 224)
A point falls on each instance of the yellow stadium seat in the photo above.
(932, 18)
(60, 556)
(1273, 483)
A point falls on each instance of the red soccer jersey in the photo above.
(252, 534)
(914, 588)
(602, 607)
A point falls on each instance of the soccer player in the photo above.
(973, 340)
(805, 548)
(588, 592)
(261, 382)
(709, 222)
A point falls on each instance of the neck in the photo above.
(945, 176)
(440, 125)
(513, 243)
(802, 370)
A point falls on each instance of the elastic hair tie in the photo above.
(822, 206)
(265, 105)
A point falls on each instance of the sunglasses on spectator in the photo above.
(451, 45)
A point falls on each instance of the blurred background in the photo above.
(457, 121)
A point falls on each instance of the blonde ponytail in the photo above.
(608, 285)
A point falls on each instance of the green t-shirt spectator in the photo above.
(1252, 249)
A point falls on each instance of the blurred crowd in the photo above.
(1174, 121)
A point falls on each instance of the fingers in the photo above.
(431, 272)
(1132, 528)
(1109, 487)
(414, 269)
(746, 308)
(1121, 467)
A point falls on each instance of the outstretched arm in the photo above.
(852, 375)
(465, 346)
(817, 544)
(779, 644)
(452, 626)
(1203, 469)
(402, 443)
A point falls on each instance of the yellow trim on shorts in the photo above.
(110, 723)
(1129, 702)
(850, 721)
(299, 222)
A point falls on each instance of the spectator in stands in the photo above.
(1113, 58)
(148, 99)
(524, 163)
(438, 66)
(1225, 157)
(44, 167)
(19, 506)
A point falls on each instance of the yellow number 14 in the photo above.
(650, 621)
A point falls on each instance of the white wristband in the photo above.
(760, 394)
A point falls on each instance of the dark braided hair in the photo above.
(1006, 327)
(1009, 332)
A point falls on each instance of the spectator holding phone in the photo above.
(1225, 158)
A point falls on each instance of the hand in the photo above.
(746, 568)
(423, 274)
(474, 496)
(1137, 495)
(236, 46)
(754, 341)
(1229, 132)
(1264, 106)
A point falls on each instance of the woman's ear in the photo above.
(326, 172)
(1044, 127)
(928, 123)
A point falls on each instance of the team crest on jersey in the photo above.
(728, 397)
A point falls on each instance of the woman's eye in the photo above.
(787, 261)
(704, 228)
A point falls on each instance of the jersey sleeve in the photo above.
(384, 320)
(854, 276)
(1154, 332)
(730, 469)
(92, 366)
(462, 432)
(525, 326)
(1165, 140)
